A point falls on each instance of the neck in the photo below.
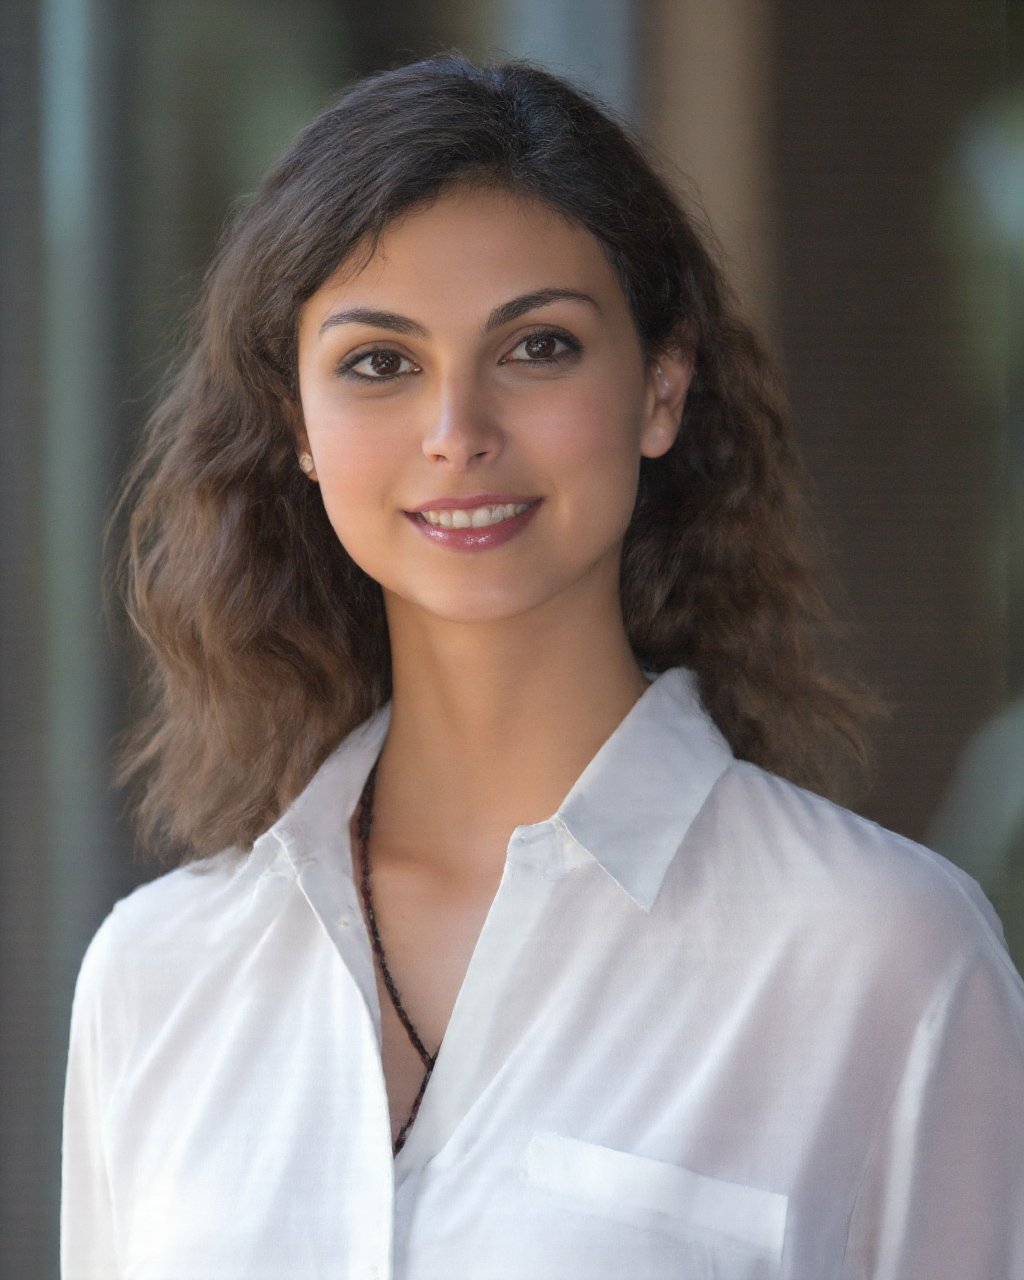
(491, 725)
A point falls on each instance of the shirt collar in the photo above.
(632, 806)
(629, 810)
(315, 825)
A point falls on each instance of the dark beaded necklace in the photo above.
(364, 825)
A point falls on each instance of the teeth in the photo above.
(478, 518)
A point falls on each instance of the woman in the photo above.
(466, 550)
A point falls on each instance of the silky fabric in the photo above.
(714, 1028)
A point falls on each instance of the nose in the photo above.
(462, 430)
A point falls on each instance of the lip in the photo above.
(467, 504)
(483, 539)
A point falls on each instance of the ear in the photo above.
(669, 374)
(303, 453)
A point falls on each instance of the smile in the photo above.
(474, 528)
(477, 518)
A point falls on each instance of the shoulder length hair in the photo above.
(265, 643)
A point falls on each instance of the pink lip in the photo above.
(491, 535)
(468, 504)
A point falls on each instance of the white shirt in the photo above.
(714, 1026)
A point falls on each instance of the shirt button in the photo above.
(345, 921)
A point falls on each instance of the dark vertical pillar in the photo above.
(23, 872)
(871, 102)
(58, 355)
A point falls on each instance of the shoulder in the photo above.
(207, 911)
(161, 926)
(186, 896)
(846, 880)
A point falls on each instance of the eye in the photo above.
(546, 346)
(382, 364)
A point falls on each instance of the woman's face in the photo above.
(477, 403)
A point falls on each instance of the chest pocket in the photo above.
(724, 1230)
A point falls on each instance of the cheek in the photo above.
(598, 436)
(595, 455)
(353, 476)
(350, 461)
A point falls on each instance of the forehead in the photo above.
(468, 251)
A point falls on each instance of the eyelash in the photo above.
(572, 347)
(347, 368)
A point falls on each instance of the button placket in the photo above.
(468, 1060)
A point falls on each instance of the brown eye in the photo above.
(385, 363)
(381, 365)
(541, 346)
(545, 347)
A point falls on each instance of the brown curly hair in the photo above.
(265, 643)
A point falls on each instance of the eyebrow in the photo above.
(504, 314)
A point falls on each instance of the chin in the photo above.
(464, 606)
(479, 610)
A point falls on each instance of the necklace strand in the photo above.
(364, 826)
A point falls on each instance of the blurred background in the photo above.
(863, 166)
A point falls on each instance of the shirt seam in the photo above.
(942, 994)
(112, 995)
(944, 866)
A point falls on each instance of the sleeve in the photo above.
(942, 1193)
(87, 1242)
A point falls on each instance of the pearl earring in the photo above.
(306, 462)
